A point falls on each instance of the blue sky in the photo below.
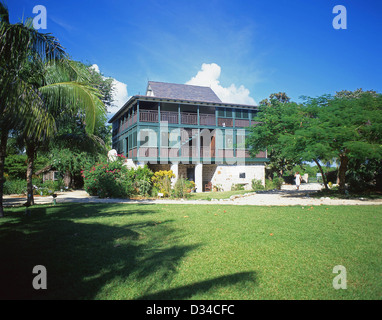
(246, 49)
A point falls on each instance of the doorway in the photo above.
(191, 174)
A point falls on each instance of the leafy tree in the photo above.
(17, 43)
(347, 127)
(64, 88)
(278, 116)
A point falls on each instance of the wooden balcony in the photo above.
(186, 118)
(189, 118)
(225, 122)
(242, 123)
(148, 116)
(169, 116)
(205, 153)
(207, 119)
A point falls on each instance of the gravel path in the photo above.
(287, 196)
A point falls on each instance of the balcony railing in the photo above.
(169, 116)
(225, 122)
(185, 118)
(148, 116)
(207, 120)
(192, 152)
(242, 123)
(189, 118)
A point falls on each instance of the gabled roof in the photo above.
(181, 92)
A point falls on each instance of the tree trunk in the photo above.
(344, 160)
(322, 174)
(68, 179)
(30, 150)
(3, 150)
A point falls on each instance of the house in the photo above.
(189, 130)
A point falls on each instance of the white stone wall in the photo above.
(227, 175)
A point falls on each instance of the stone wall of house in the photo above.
(227, 175)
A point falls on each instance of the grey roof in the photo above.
(182, 92)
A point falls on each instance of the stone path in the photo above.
(287, 196)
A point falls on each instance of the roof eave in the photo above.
(159, 99)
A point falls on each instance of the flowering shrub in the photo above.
(111, 179)
(114, 180)
(162, 181)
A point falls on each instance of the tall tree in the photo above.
(277, 117)
(64, 88)
(17, 99)
(342, 127)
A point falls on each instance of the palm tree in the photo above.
(17, 98)
(64, 88)
(37, 78)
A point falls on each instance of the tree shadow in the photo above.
(82, 256)
(86, 256)
(186, 292)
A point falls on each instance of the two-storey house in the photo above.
(189, 130)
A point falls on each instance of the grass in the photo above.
(118, 251)
(216, 195)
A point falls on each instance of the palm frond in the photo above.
(76, 95)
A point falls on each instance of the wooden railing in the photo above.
(148, 116)
(189, 118)
(185, 118)
(169, 116)
(225, 122)
(188, 152)
(207, 120)
(242, 123)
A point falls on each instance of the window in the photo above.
(242, 175)
(225, 113)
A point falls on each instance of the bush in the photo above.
(183, 187)
(16, 186)
(162, 181)
(142, 180)
(237, 187)
(111, 179)
(277, 182)
(257, 185)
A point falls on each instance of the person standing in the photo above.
(298, 180)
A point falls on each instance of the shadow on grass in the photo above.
(87, 254)
(186, 292)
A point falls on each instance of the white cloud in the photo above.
(95, 68)
(209, 76)
(120, 95)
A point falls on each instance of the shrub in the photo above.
(278, 182)
(257, 185)
(237, 187)
(162, 181)
(111, 179)
(183, 188)
(142, 180)
(16, 186)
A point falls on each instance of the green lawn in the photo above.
(115, 251)
(216, 195)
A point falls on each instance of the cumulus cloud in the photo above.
(120, 95)
(209, 76)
